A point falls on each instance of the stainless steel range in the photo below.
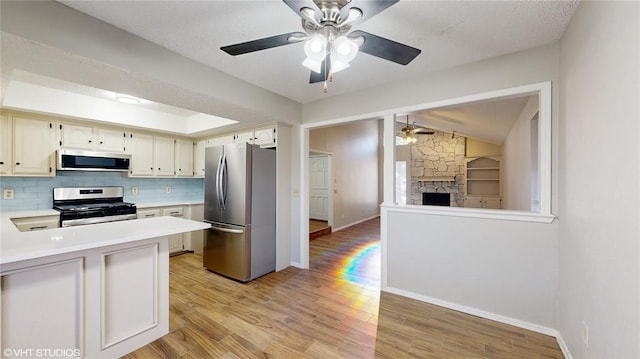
(88, 205)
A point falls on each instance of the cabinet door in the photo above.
(5, 145)
(198, 158)
(473, 202)
(42, 307)
(491, 202)
(164, 156)
(184, 158)
(265, 137)
(110, 140)
(219, 141)
(140, 146)
(74, 136)
(176, 241)
(244, 137)
(32, 147)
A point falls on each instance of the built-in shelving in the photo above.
(482, 182)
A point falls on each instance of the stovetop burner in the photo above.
(88, 205)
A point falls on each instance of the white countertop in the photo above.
(17, 246)
(168, 204)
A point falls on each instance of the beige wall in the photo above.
(477, 148)
(355, 150)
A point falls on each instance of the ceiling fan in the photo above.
(329, 45)
(408, 133)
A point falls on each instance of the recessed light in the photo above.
(132, 100)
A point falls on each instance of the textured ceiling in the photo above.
(449, 33)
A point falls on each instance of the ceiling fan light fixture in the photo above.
(337, 65)
(344, 49)
(316, 47)
(313, 65)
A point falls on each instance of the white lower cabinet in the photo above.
(49, 308)
(26, 224)
(98, 303)
(176, 241)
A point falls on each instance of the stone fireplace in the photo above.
(437, 166)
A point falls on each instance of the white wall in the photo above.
(516, 160)
(529, 249)
(355, 160)
(507, 268)
(599, 191)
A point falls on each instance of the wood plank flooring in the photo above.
(333, 310)
(318, 228)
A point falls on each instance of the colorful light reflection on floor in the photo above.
(362, 265)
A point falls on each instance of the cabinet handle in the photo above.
(1, 162)
(150, 215)
(152, 168)
(90, 141)
(38, 227)
(101, 142)
(17, 163)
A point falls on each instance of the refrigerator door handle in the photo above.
(227, 230)
(218, 184)
(224, 181)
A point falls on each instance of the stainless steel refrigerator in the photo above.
(240, 204)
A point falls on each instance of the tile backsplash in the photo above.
(33, 193)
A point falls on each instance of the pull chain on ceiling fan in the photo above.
(329, 46)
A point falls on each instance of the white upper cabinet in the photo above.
(219, 141)
(184, 158)
(75, 136)
(91, 138)
(33, 147)
(6, 131)
(198, 158)
(110, 140)
(244, 137)
(164, 156)
(140, 146)
(265, 137)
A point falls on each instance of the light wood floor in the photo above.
(333, 310)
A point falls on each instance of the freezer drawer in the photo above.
(227, 251)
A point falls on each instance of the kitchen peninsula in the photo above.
(96, 291)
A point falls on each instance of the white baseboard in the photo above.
(488, 315)
(354, 223)
(296, 264)
(563, 346)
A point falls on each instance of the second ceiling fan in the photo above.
(329, 45)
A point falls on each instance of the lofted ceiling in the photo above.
(449, 33)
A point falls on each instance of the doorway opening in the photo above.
(320, 194)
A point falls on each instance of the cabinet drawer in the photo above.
(148, 213)
(27, 224)
(173, 211)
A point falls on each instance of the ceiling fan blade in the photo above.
(423, 131)
(386, 49)
(263, 44)
(369, 8)
(296, 5)
(324, 72)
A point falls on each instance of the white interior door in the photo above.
(319, 183)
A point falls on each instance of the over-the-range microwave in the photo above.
(80, 160)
